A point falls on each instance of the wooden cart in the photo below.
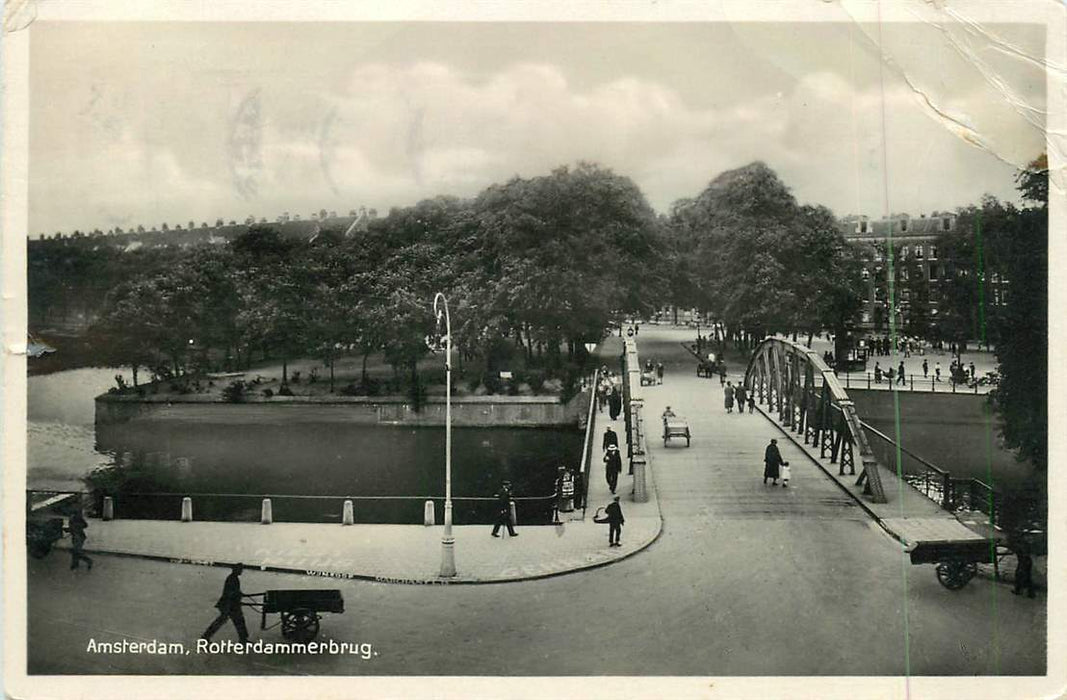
(299, 610)
(673, 426)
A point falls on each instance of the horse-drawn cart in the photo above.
(299, 610)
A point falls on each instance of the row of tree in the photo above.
(545, 264)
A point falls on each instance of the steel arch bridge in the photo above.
(793, 381)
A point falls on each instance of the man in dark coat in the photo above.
(615, 522)
(503, 511)
(772, 460)
(229, 605)
(612, 467)
(1024, 570)
(615, 403)
(659, 372)
(739, 396)
(610, 438)
(76, 527)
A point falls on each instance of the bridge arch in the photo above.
(794, 382)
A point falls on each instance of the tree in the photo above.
(1021, 399)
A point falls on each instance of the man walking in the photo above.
(659, 372)
(772, 460)
(503, 511)
(937, 371)
(739, 396)
(76, 527)
(926, 369)
(900, 373)
(612, 467)
(615, 522)
(615, 403)
(229, 605)
(610, 438)
(728, 397)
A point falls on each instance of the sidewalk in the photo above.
(401, 553)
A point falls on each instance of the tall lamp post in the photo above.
(448, 542)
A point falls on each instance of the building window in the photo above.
(904, 274)
(933, 271)
(904, 252)
(905, 295)
(932, 250)
(862, 226)
(919, 252)
(1003, 297)
(865, 273)
(946, 223)
(994, 278)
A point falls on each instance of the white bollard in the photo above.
(109, 508)
(347, 514)
(514, 518)
(266, 513)
(429, 516)
(187, 509)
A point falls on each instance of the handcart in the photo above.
(673, 426)
(299, 610)
(957, 560)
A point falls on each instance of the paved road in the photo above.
(745, 580)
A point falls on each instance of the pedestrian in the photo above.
(503, 511)
(926, 369)
(751, 402)
(612, 467)
(728, 397)
(722, 373)
(615, 522)
(659, 372)
(564, 494)
(772, 461)
(229, 606)
(579, 490)
(1024, 571)
(610, 438)
(615, 403)
(76, 527)
(937, 370)
(972, 372)
(877, 373)
(900, 373)
(739, 396)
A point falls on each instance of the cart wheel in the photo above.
(300, 625)
(954, 575)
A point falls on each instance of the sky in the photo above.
(143, 123)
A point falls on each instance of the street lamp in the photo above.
(448, 543)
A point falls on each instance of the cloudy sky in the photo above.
(141, 123)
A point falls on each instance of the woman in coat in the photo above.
(772, 460)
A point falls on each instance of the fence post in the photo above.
(187, 509)
(109, 508)
(868, 380)
(514, 517)
(266, 512)
(347, 513)
(429, 515)
(913, 382)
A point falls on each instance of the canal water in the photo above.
(389, 471)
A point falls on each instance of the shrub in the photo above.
(234, 392)
(267, 393)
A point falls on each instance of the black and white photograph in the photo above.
(576, 350)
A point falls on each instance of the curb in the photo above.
(351, 576)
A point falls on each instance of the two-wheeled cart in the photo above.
(673, 426)
(299, 610)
